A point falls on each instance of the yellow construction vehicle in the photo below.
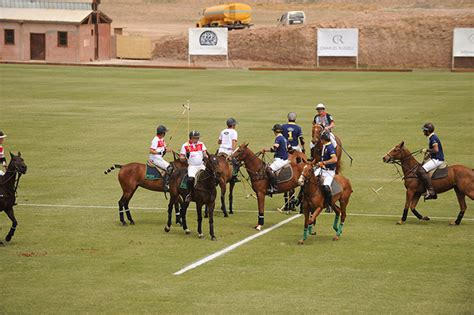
(232, 16)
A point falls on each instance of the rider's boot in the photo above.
(235, 170)
(273, 180)
(425, 178)
(327, 197)
(166, 179)
(190, 189)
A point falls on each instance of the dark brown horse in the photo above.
(313, 201)
(8, 185)
(132, 176)
(316, 151)
(204, 194)
(459, 177)
(260, 183)
(225, 172)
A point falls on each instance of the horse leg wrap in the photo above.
(336, 220)
(417, 214)
(405, 214)
(310, 229)
(305, 234)
(260, 219)
(459, 218)
(339, 229)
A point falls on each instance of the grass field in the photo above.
(72, 123)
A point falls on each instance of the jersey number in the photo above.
(290, 135)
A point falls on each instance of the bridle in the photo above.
(13, 175)
(399, 161)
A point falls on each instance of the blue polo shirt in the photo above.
(282, 150)
(438, 155)
(292, 132)
(328, 150)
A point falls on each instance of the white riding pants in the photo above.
(159, 161)
(432, 164)
(327, 175)
(193, 169)
(278, 164)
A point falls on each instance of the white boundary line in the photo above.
(233, 246)
(217, 210)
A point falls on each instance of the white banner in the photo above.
(338, 42)
(463, 42)
(207, 41)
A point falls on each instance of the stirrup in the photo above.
(429, 196)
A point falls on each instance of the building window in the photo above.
(9, 37)
(62, 39)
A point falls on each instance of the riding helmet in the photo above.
(291, 116)
(2, 135)
(326, 136)
(320, 105)
(194, 134)
(428, 127)
(231, 122)
(161, 129)
(277, 128)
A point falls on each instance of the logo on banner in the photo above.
(337, 39)
(208, 38)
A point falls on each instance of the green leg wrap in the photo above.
(339, 229)
(336, 220)
(310, 229)
(305, 234)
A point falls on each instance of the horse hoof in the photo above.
(132, 222)
(2, 244)
(187, 231)
(206, 216)
(231, 212)
(425, 218)
(226, 215)
(313, 233)
(167, 228)
(335, 238)
(258, 227)
(124, 223)
(400, 222)
(300, 242)
(201, 236)
(453, 223)
(213, 238)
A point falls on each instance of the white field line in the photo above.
(233, 246)
(218, 210)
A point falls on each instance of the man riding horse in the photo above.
(194, 151)
(435, 151)
(293, 133)
(280, 148)
(3, 161)
(228, 143)
(327, 168)
(326, 120)
(157, 150)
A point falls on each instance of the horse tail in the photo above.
(112, 168)
(339, 166)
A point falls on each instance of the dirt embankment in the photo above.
(410, 39)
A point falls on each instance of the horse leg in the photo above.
(11, 215)
(414, 202)
(171, 204)
(184, 210)
(231, 195)
(206, 211)
(261, 210)
(285, 196)
(199, 218)
(211, 221)
(409, 196)
(129, 214)
(462, 204)
(121, 204)
(177, 213)
(306, 224)
(223, 191)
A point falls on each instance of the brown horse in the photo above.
(292, 199)
(459, 177)
(204, 194)
(260, 183)
(313, 201)
(132, 176)
(316, 151)
(225, 172)
(8, 185)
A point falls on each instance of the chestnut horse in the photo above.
(204, 194)
(225, 172)
(8, 185)
(316, 151)
(132, 176)
(260, 183)
(292, 199)
(313, 201)
(460, 177)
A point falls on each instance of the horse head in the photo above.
(316, 132)
(305, 174)
(241, 152)
(17, 163)
(397, 153)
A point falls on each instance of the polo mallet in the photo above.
(187, 108)
(350, 157)
(381, 187)
(289, 199)
(245, 188)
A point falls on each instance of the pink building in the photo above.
(54, 31)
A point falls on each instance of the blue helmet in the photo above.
(231, 122)
(194, 134)
(161, 129)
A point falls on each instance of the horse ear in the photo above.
(402, 144)
(11, 155)
(246, 145)
(19, 153)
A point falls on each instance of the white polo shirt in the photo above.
(226, 137)
(195, 151)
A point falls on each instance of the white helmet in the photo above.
(320, 105)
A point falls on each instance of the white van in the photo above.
(292, 18)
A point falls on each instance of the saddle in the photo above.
(439, 172)
(184, 180)
(335, 187)
(153, 172)
(284, 174)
